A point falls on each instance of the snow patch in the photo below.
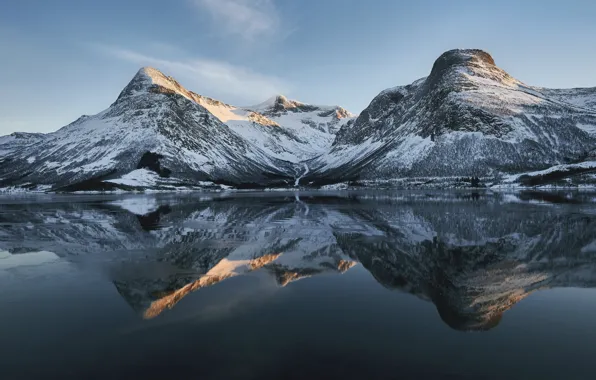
(306, 170)
(590, 128)
(137, 178)
(564, 167)
(138, 205)
(9, 261)
(336, 186)
(590, 247)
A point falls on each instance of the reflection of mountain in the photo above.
(473, 257)
(476, 261)
(153, 302)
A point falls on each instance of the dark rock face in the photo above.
(282, 104)
(150, 221)
(150, 161)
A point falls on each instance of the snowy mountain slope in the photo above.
(284, 129)
(288, 130)
(17, 141)
(581, 173)
(154, 123)
(579, 97)
(467, 118)
(157, 124)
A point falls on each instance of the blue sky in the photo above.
(61, 59)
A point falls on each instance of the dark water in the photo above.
(452, 285)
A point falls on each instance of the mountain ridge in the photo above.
(467, 118)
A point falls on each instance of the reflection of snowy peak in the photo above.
(281, 240)
(153, 297)
(476, 263)
(473, 258)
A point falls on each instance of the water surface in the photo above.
(351, 285)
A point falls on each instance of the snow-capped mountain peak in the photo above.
(179, 136)
(154, 124)
(151, 79)
(467, 118)
(277, 103)
(280, 104)
(456, 66)
(287, 129)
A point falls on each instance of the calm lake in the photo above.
(284, 285)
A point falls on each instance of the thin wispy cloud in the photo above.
(249, 20)
(207, 77)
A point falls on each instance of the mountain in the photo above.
(467, 118)
(18, 141)
(286, 129)
(158, 134)
(473, 257)
(467, 123)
